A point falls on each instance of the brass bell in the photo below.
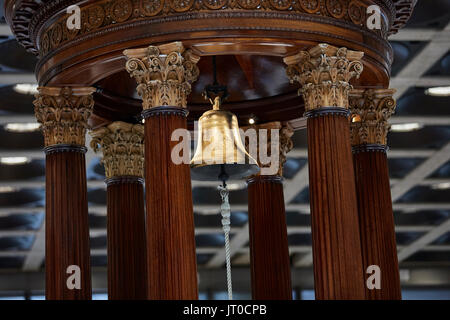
(220, 154)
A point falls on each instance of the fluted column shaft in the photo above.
(371, 110)
(122, 145)
(63, 113)
(269, 248)
(324, 73)
(172, 268)
(127, 273)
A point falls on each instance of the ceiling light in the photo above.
(406, 127)
(410, 210)
(356, 118)
(438, 91)
(14, 160)
(26, 88)
(22, 127)
(4, 189)
(236, 186)
(441, 186)
(251, 121)
(405, 275)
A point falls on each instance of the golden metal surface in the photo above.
(219, 145)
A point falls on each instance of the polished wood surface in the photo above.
(25, 17)
(172, 267)
(66, 226)
(250, 81)
(269, 249)
(338, 270)
(250, 38)
(252, 32)
(376, 221)
(127, 255)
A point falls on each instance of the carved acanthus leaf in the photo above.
(371, 110)
(63, 113)
(283, 139)
(122, 145)
(164, 74)
(324, 73)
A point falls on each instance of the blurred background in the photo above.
(419, 163)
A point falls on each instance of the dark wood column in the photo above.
(122, 145)
(63, 113)
(371, 111)
(172, 268)
(324, 72)
(269, 249)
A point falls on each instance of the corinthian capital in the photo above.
(163, 73)
(63, 113)
(122, 145)
(371, 110)
(272, 164)
(324, 73)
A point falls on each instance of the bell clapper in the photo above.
(226, 215)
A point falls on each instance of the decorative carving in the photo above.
(181, 5)
(285, 143)
(109, 12)
(281, 4)
(151, 8)
(95, 17)
(122, 145)
(63, 113)
(403, 10)
(164, 74)
(45, 43)
(357, 12)
(121, 10)
(249, 4)
(371, 110)
(18, 13)
(215, 4)
(310, 6)
(56, 35)
(324, 72)
(336, 8)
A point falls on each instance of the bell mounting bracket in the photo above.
(215, 89)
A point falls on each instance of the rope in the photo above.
(226, 214)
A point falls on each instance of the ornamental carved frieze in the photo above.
(283, 139)
(371, 110)
(108, 13)
(122, 145)
(324, 73)
(164, 74)
(63, 113)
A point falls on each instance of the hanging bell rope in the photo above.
(226, 215)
